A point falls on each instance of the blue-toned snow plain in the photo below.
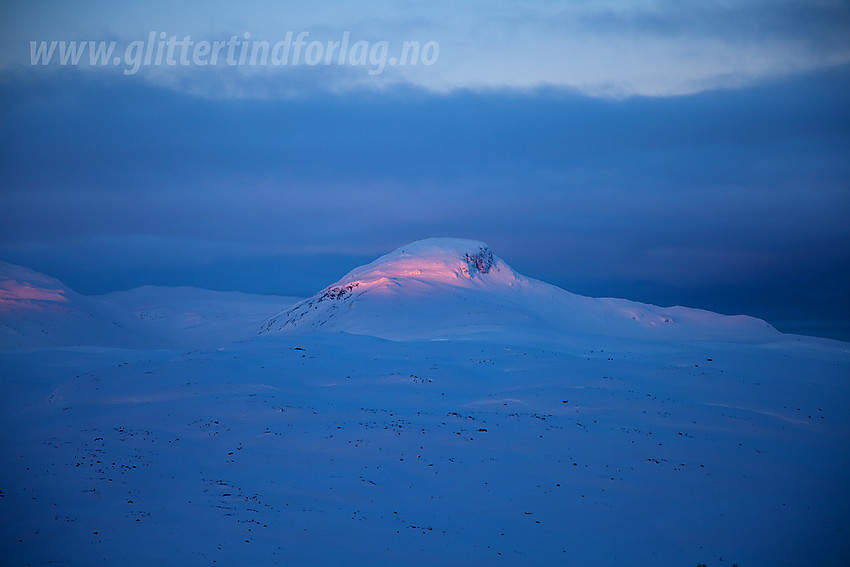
(433, 407)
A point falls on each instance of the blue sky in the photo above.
(647, 150)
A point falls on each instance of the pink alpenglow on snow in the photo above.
(443, 288)
(13, 289)
(19, 284)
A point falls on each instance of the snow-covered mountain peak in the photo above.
(412, 276)
(451, 261)
(446, 287)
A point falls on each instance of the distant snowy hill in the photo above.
(443, 288)
(38, 311)
(198, 317)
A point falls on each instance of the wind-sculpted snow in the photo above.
(451, 288)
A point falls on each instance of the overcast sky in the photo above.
(648, 150)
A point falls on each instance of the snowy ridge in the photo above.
(38, 311)
(419, 271)
(198, 317)
(450, 288)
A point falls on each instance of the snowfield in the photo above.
(432, 407)
(453, 288)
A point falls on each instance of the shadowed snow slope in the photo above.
(189, 316)
(39, 311)
(454, 288)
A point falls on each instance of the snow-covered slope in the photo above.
(38, 311)
(451, 288)
(548, 445)
(190, 316)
